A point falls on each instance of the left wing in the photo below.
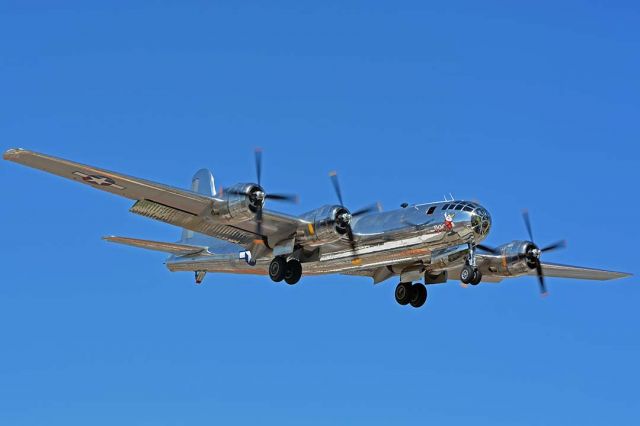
(175, 206)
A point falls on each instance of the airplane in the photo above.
(230, 231)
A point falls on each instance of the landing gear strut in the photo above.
(414, 294)
(200, 276)
(470, 274)
(280, 269)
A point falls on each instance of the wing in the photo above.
(179, 207)
(577, 272)
(115, 183)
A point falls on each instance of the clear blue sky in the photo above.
(516, 105)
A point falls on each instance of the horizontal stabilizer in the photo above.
(173, 248)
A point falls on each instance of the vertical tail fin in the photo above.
(202, 183)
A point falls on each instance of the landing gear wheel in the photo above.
(419, 295)
(467, 274)
(477, 277)
(277, 269)
(293, 272)
(404, 293)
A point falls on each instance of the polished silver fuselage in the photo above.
(434, 236)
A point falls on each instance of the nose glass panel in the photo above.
(481, 222)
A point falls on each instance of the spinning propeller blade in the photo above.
(336, 186)
(554, 246)
(527, 223)
(369, 209)
(374, 207)
(258, 157)
(533, 255)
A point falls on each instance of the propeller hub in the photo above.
(532, 255)
(344, 218)
(257, 197)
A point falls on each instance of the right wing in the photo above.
(175, 206)
(115, 183)
(578, 272)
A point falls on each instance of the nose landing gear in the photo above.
(414, 294)
(470, 274)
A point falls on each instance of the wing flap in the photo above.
(192, 222)
(173, 248)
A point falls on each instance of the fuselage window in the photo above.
(431, 210)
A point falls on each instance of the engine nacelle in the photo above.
(242, 201)
(515, 258)
(327, 224)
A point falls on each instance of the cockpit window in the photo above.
(431, 210)
(459, 207)
(467, 208)
(446, 206)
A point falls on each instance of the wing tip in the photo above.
(615, 275)
(621, 275)
(12, 153)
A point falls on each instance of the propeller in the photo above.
(533, 253)
(259, 196)
(343, 218)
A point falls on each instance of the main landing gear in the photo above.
(470, 274)
(414, 294)
(290, 271)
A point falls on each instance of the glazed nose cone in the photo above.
(480, 222)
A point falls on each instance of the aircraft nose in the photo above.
(480, 222)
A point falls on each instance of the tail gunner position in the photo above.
(231, 231)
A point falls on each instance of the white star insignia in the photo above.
(98, 180)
